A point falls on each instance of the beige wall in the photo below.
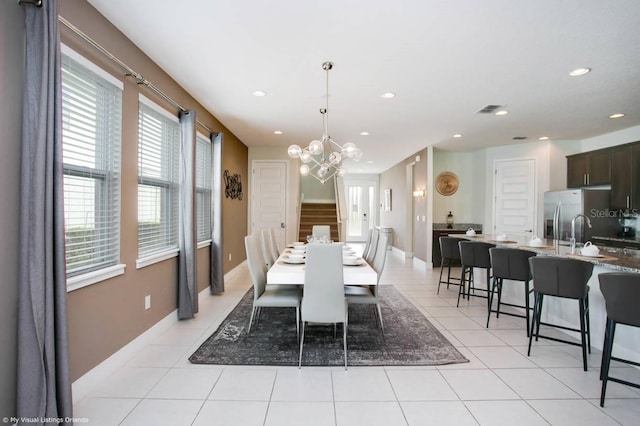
(464, 203)
(106, 316)
(11, 64)
(405, 208)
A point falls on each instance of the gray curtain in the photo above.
(217, 272)
(43, 377)
(187, 277)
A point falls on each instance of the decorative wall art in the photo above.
(447, 183)
(232, 185)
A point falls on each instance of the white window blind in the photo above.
(203, 187)
(158, 168)
(91, 136)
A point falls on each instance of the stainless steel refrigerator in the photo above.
(560, 207)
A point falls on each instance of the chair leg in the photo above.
(462, 284)
(440, 279)
(583, 332)
(535, 318)
(344, 336)
(253, 311)
(500, 282)
(526, 303)
(448, 272)
(301, 345)
(380, 316)
(298, 322)
(610, 329)
(539, 316)
(490, 295)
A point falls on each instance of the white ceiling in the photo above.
(445, 60)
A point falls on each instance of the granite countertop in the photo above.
(457, 227)
(622, 239)
(612, 258)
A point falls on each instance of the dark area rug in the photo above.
(409, 338)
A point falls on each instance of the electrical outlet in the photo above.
(229, 257)
(147, 302)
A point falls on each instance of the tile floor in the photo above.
(499, 386)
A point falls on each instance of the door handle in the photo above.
(528, 230)
(282, 225)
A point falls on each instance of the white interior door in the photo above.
(515, 197)
(360, 198)
(269, 198)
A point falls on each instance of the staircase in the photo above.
(317, 214)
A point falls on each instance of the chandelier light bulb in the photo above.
(335, 157)
(357, 154)
(294, 151)
(315, 147)
(305, 156)
(348, 149)
(304, 170)
(341, 172)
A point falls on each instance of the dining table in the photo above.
(290, 269)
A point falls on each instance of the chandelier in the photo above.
(322, 159)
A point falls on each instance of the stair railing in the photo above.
(341, 202)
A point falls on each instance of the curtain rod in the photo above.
(129, 72)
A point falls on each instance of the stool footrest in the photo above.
(555, 339)
(626, 361)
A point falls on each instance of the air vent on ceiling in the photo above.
(489, 109)
(519, 138)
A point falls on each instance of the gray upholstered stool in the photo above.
(474, 254)
(510, 264)
(565, 278)
(621, 291)
(450, 253)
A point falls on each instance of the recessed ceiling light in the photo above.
(364, 133)
(388, 95)
(579, 71)
(502, 112)
(457, 135)
(618, 115)
(277, 132)
(543, 138)
(259, 93)
(369, 162)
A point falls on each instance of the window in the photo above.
(91, 135)
(203, 187)
(158, 168)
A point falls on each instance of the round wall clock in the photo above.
(447, 183)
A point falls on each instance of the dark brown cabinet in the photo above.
(589, 169)
(625, 177)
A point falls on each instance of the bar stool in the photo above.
(510, 264)
(566, 278)
(450, 252)
(621, 291)
(474, 254)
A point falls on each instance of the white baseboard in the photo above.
(84, 384)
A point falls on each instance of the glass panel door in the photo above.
(360, 210)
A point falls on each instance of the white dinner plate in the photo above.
(353, 262)
(293, 260)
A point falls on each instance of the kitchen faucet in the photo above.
(572, 241)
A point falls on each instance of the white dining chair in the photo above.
(369, 295)
(324, 300)
(265, 247)
(274, 243)
(271, 297)
(319, 231)
(375, 236)
(367, 244)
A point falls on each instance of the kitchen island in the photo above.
(565, 312)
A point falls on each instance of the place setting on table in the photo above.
(295, 254)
